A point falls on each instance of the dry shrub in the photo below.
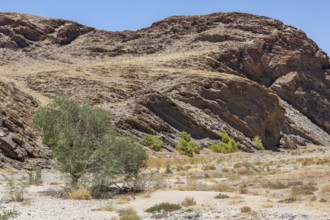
(277, 185)
(221, 196)
(243, 190)
(288, 200)
(122, 201)
(244, 171)
(107, 208)
(188, 201)
(209, 167)
(199, 186)
(225, 170)
(314, 161)
(246, 209)
(80, 193)
(267, 205)
(303, 190)
(242, 164)
(326, 189)
(128, 214)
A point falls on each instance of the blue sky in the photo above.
(313, 17)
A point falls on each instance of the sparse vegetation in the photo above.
(188, 201)
(35, 177)
(167, 207)
(245, 209)
(107, 208)
(326, 189)
(6, 214)
(227, 144)
(187, 146)
(258, 142)
(154, 142)
(221, 196)
(128, 214)
(80, 193)
(15, 189)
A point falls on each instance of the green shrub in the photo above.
(187, 146)
(227, 144)
(258, 142)
(167, 207)
(82, 139)
(154, 142)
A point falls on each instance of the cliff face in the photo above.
(245, 74)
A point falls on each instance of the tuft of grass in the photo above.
(246, 209)
(80, 193)
(121, 201)
(221, 196)
(326, 189)
(188, 201)
(15, 189)
(107, 208)
(128, 214)
(288, 200)
(25, 203)
(35, 177)
(167, 207)
(267, 205)
(6, 214)
(303, 190)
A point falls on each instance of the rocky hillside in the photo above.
(244, 74)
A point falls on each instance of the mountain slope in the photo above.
(245, 74)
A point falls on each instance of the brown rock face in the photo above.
(18, 31)
(244, 74)
(17, 139)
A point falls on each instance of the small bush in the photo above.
(167, 207)
(154, 142)
(258, 142)
(303, 190)
(6, 214)
(288, 200)
(187, 146)
(188, 201)
(221, 196)
(35, 177)
(107, 208)
(15, 189)
(128, 214)
(326, 189)
(80, 194)
(227, 144)
(246, 209)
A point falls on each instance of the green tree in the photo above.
(187, 146)
(82, 139)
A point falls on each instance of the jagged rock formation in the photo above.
(245, 74)
(17, 139)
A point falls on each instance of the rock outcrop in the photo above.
(18, 141)
(244, 74)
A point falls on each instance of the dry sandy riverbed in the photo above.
(284, 185)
